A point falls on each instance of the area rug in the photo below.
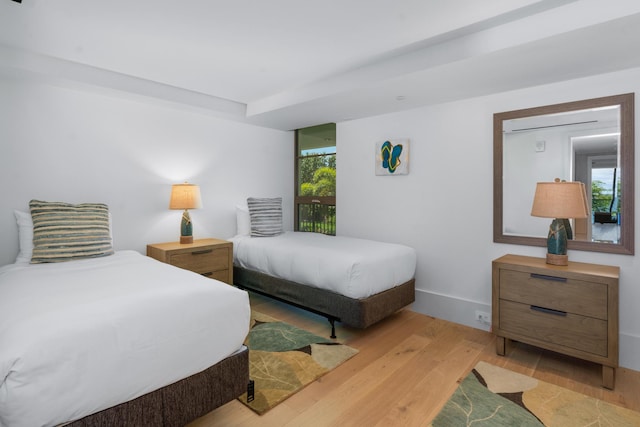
(283, 359)
(494, 396)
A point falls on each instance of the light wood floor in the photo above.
(407, 367)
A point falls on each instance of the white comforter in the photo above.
(82, 336)
(356, 268)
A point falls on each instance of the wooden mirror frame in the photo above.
(627, 136)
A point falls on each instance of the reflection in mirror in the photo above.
(570, 146)
(589, 141)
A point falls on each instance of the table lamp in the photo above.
(185, 196)
(559, 200)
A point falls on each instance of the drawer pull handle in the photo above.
(204, 251)
(209, 273)
(548, 310)
(544, 277)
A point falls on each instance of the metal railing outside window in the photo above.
(317, 218)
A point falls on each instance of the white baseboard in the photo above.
(629, 351)
(449, 308)
(463, 311)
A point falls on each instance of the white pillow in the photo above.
(243, 220)
(25, 236)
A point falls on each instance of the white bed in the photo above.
(355, 268)
(354, 281)
(81, 336)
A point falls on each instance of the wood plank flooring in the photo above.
(407, 367)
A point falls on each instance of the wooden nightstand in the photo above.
(570, 309)
(210, 257)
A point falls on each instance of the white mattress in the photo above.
(355, 268)
(82, 336)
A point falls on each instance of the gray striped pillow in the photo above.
(266, 216)
(65, 232)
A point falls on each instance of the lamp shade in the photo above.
(185, 196)
(560, 200)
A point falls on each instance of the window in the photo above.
(315, 198)
(605, 199)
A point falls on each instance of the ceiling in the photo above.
(290, 64)
(599, 128)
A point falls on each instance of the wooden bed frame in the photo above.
(359, 313)
(182, 402)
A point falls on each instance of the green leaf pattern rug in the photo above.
(494, 396)
(283, 359)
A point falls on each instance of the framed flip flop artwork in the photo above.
(392, 156)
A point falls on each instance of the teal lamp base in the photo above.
(186, 228)
(557, 242)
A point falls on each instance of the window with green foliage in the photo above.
(604, 185)
(315, 199)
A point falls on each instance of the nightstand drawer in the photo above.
(555, 292)
(212, 258)
(202, 260)
(565, 329)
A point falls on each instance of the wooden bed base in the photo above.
(182, 402)
(359, 313)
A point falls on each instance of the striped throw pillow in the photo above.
(266, 216)
(66, 232)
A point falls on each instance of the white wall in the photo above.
(444, 207)
(64, 144)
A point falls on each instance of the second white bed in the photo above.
(355, 268)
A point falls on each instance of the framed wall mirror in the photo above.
(591, 141)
